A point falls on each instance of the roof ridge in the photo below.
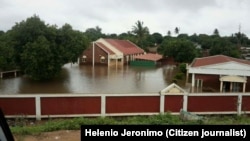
(217, 59)
(212, 56)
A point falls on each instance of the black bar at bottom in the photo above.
(165, 132)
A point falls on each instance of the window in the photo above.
(84, 58)
(102, 59)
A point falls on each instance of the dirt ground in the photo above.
(62, 135)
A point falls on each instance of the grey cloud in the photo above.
(120, 15)
(191, 5)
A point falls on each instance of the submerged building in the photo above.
(110, 52)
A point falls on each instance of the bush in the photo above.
(183, 68)
(179, 76)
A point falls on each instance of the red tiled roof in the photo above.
(102, 46)
(149, 56)
(125, 46)
(216, 59)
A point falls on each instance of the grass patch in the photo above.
(48, 125)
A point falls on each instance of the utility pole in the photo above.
(93, 55)
(239, 36)
(239, 28)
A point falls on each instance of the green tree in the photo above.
(38, 60)
(180, 49)
(183, 36)
(94, 33)
(157, 37)
(141, 33)
(225, 47)
(169, 33)
(194, 38)
(216, 32)
(1, 32)
(6, 54)
(72, 43)
(113, 36)
(177, 30)
(24, 32)
(41, 49)
(127, 36)
(205, 41)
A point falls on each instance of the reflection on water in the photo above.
(98, 79)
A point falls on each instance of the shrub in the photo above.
(179, 76)
(183, 68)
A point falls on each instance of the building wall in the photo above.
(210, 82)
(114, 62)
(248, 84)
(130, 57)
(98, 54)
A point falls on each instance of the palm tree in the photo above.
(169, 33)
(140, 31)
(216, 32)
(177, 30)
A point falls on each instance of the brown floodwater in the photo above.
(98, 79)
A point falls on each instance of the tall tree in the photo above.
(73, 43)
(41, 50)
(216, 32)
(24, 32)
(38, 59)
(141, 33)
(177, 30)
(7, 53)
(169, 33)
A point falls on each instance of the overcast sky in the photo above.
(118, 16)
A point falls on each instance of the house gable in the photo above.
(216, 59)
(226, 68)
(125, 46)
(172, 89)
(117, 53)
(103, 47)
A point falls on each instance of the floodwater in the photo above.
(98, 79)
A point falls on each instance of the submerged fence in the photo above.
(93, 105)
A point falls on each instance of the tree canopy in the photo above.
(181, 50)
(39, 49)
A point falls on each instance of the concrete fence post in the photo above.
(38, 107)
(239, 104)
(162, 103)
(185, 101)
(103, 105)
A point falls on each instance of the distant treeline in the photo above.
(39, 50)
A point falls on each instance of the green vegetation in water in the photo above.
(48, 125)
